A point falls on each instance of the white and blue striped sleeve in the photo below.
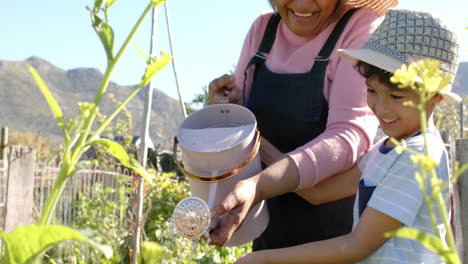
(399, 195)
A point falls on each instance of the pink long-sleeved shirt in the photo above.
(351, 126)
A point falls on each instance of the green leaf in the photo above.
(109, 3)
(429, 241)
(115, 149)
(97, 3)
(28, 244)
(156, 3)
(136, 166)
(97, 20)
(155, 67)
(54, 106)
(105, 34)
(119, 152)
(140, 52)
(458, 173)
(151, 252)
(97, 241)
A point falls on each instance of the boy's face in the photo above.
(396, 119)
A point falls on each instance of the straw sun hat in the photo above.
(406, 36)
(378, 5)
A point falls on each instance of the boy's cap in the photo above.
(406, 36)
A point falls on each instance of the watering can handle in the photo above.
(220, 177)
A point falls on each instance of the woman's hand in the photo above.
(233, 210)
(225, 87)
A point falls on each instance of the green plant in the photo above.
(80, 133)
(160, 202)
(202, 98)
(433, 80)
(115, 131)
(107, 211)
(447, 120)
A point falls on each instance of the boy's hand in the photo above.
(234, 209)
(252, 258)
(224, 87)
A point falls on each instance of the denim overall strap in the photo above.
(365, 193)
(265, 46)
(291, 110)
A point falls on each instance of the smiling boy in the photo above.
(388, 195)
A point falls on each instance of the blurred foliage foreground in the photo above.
(114, 219)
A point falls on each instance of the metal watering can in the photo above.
(219, 146)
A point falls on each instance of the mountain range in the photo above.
(23, 107)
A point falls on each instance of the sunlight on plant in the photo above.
(79, 135)
(426, 79)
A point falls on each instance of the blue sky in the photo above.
(207, 35)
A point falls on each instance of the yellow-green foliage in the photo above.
(79, 133)
(426, 79)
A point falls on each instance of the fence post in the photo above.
(460, 191)
(3, 142)
(3, 152)
(462, 127)
(20, 186)
(3, 172)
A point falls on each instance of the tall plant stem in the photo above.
(439, 199)
(69, 163)
(106, 78)
(440, 202)
(52, 201)
(115, 113)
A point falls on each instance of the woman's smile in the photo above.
(299, 14)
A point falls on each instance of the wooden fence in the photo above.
(460, 200)
(24, 192)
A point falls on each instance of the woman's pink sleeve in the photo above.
(351, 126)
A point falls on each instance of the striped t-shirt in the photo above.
(398, 195)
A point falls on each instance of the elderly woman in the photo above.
(310, 105)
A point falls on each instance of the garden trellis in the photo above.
(146, 118)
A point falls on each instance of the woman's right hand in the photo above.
(232, 211)
(223, 87)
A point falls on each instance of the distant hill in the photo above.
(23, 108)
(460, 85)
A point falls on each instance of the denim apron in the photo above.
(291, 110)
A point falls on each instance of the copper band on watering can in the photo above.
(225, 175)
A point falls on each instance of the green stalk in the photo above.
(54, 197)
(439, 198)
(422, 117)
(106, 78)
(84, 130)
(106, 122)
(443, 214)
